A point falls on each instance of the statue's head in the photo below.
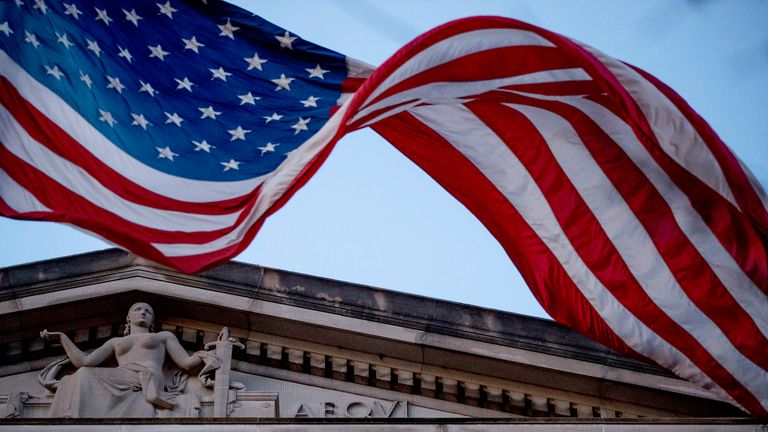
(140, 314)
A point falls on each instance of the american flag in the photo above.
(161, 126)
(628, 217)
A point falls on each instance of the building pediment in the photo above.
(319, 348)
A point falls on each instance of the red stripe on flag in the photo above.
(350, 85)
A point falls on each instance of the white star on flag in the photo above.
(283, 82)
(166, 153)
(268, 147)
(157, 51)
(6, 29)
(238, 133)
(31, 38)
(94, 46)
(71, 9)
(286, 40)
(64, 40)
(132, 16)
(203, 145)
(317, 72)
(209, 113)
(301, 125)
(310, 102)
(254, 62)
(219, 73)
(114, 83)
(232, 164)
(140, 120)
(84, 77)
(184, 84)
(107, 118)
(124, 53)
(101, 15)
(274, 116)
(228, 30)
(166, 9)
(147, 88)
(192, 44)
(40, 4)
(174, 118)
(248, 98)
(55, 71)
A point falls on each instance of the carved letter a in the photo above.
(302, 411)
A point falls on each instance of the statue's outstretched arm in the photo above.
(177, 352)
(77, 357)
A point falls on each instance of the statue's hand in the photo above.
(51, 336)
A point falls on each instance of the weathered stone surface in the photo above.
(141, 384)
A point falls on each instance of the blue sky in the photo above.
(370, 216)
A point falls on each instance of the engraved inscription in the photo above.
(352, 409)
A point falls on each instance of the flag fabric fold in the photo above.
(629, 219)
(175, 129)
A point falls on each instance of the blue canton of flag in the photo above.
(199, 91)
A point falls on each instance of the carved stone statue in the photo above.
(139, 386)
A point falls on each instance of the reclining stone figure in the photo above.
(139, 386)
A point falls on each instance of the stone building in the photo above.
(305, 353)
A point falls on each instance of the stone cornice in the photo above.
(320, 294)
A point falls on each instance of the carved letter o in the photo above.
(357, 410)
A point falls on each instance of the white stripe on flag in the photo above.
(18, 198)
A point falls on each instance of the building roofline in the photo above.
(332, 296)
